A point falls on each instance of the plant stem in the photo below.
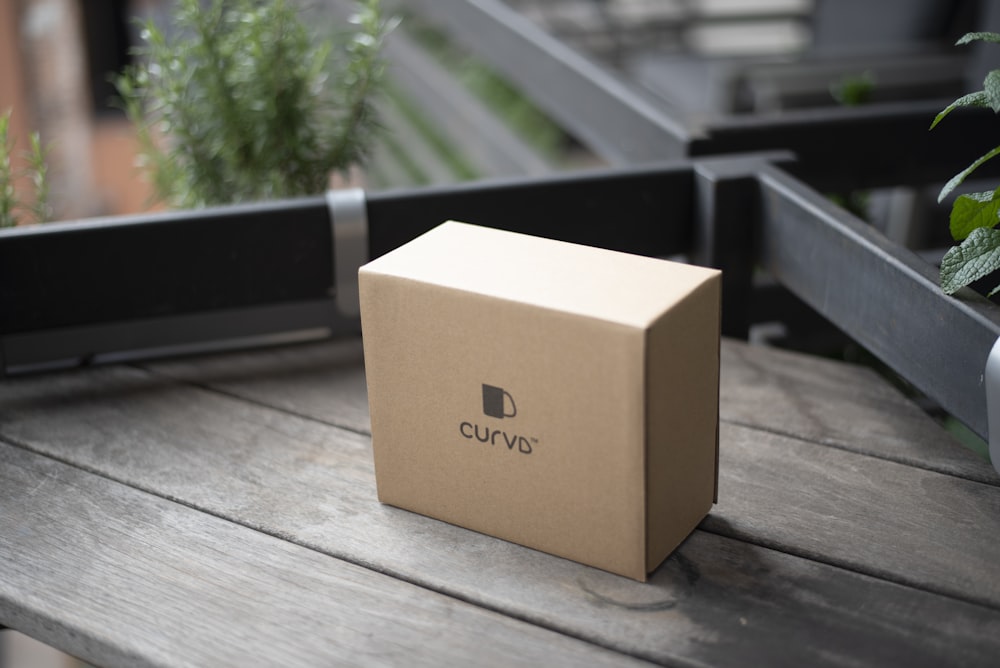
(7, 196)
(38, 170)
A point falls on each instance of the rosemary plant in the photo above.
(242, 101)
(12, 210)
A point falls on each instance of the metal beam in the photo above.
(592, 103)
(91, 291)
(863, 147)
(880, 294)
(643, 210)
(837, 148)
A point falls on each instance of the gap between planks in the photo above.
(829, 403)
(737, 353)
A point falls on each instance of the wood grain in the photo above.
(824, 401)
(871, 515)
(717, 600)
(120, 577)
(834, 403)
(323, 380)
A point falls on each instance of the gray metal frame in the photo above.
(734, 212)
(880, 294)
(835, 148)
(729, 212)
(613, 119)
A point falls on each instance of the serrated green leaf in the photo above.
(961, 176)
(978, 37)
(973, 211)
(977, 99)
(976, 257)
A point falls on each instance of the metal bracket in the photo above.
(991, 378)
(349, 223)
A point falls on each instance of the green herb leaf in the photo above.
(977, 99)
(973, 211)
(978, 36)
(976, 257)
(991, 86)
(961, 176)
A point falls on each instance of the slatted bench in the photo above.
(221, 510)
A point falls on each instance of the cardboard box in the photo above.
(554, 395)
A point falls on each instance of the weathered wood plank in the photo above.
(897, 522)
(824, 401)
(323, 380)
(312, 483)
(844, 405)
(849, 406)
(120, 577)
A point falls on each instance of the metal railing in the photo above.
(138, 286)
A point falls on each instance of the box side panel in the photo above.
(682, 419)
(509, 419)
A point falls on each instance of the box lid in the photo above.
(613, 286)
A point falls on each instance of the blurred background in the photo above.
(56, 57)
(450, 116)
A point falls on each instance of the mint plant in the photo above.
(974, 215)
(12, 210)
(243, 101)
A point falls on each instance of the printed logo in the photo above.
(493, 402)
(498, 403)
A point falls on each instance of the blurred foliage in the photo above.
(854, 90)
(12, 210)
(506, 101)
(456, 163)
(240, 100)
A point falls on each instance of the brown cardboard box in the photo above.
(558, 396)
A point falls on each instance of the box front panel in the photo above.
(516, 421)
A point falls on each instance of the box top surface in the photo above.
(607, 285)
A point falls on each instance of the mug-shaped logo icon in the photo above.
(494, 402)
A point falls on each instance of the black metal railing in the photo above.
(95, 291)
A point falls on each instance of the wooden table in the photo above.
(221, 511)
